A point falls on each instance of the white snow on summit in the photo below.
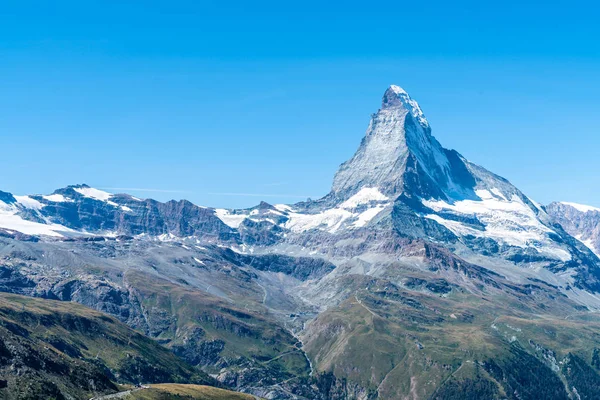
(415, 109)
(100, 195)
(93, 193)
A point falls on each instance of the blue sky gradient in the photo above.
(230, 103)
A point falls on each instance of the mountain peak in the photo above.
(399, 153)
(396, 97)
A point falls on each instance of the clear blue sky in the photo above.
(205, 99)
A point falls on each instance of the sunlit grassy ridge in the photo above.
(186, 392)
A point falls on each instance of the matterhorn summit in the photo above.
(399, 154)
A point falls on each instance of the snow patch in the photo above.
(94, 193)
(506, 221)
(581, 207)
(97, 195)
(16, 223)
(330, 220)
(366, 216)
(364, 196)
(10, 220)
(589, 244)
(57, 198)
(28, 202)
(283, 208)
(230, 219)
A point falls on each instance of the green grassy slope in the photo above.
(202, 329)
(420, 345)
(51, 349)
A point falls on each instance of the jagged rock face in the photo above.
(81, 208)
(399, 154)
(580, 221)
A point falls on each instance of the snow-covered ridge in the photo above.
(581, 207)
(12, 215)
(507, 220)
(10, 220)
(29, 202)
(99, 195)
(234, 218)
(392, 144)
(93, 193)
(360, 208)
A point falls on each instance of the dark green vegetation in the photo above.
(524, 376)
(476, 385)
(60, 350)
(581, 377)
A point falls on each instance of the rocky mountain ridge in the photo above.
(581, 221)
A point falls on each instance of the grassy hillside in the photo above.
(55, 350)
(204, 329)
(453, 347)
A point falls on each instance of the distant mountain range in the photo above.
(419, 276)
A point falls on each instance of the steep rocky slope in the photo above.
(581, 221)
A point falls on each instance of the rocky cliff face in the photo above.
(580, 221)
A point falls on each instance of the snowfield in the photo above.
(508, 221)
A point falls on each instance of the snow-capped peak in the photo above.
(395, 96)
(398, 143)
